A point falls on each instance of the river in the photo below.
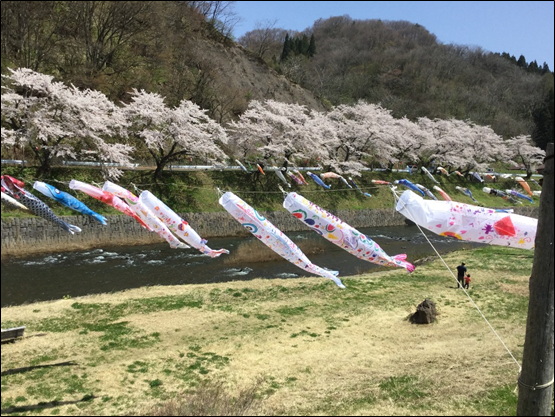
(108, 269)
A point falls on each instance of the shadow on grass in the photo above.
(31, 368)
(44, 405)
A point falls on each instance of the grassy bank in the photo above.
(278, 347)
(197, 191)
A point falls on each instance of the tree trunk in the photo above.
(536, 379)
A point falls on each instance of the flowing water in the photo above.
(108, 269)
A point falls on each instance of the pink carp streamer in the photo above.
(107, 198)
(147, 216)
(468, 222)
(443, 193)
(177, 225)
(340, 233)
(272, 237)
(328, 175)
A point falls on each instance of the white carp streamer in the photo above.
(340, 233)
(272, 237)
(468, 222)
(177, 225)
(147, 216)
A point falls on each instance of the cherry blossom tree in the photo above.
(461, 145)
(171, 134)
(409, 142)
(523, 151)
(363, 134)
(279, 131)
(57, 121)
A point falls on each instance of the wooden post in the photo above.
(536, 378)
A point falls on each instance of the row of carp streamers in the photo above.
(445, 218)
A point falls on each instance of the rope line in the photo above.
(455, 278)
(143, 185)
(535, 386)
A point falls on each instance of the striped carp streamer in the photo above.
(272, 237)
(469, 223)
(340, 233)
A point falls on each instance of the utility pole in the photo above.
(536, 378)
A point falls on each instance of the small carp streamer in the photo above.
(410, 185)
(340, 233)
(272, 237)
(428, 192)
(429, 175)
(467, 192)
(318, 181)
(442, 193)
(6, 199)
(177, 225)
(67, 200)
(524, 185)
(282, 177)
(358, 189)
(519, 195)
(468, 222)
(328, 175)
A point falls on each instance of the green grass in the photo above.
(218, 327)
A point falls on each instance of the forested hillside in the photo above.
(163, 82)
(402, 66)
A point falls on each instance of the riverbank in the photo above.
(34, 235)
(283, 347)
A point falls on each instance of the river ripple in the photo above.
(109, 269)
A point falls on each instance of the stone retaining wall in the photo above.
(22, 236)
(28, 235)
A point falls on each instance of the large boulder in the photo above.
(426, 313)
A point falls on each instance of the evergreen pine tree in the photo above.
(286, 48)
(304, 45)
(533, 67)
(312, 46)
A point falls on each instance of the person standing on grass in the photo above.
(467, 281)
(461, 270)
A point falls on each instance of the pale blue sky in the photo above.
(517, 27)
